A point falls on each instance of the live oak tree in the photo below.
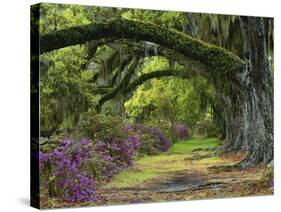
(244, 86)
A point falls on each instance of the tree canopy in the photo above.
(119, 87)
(103, 58)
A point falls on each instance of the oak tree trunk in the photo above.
(255, 112)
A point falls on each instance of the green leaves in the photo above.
(63, 95)
(57, 16)
(106, 64)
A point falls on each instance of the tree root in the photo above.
(225, 168)
(207, 185)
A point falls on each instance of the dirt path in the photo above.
(183, 174)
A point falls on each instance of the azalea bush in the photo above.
(117, 153)
(115, 142)
(182, 131)
(147, 145)
(63, 168)
(152, 139)
(161, 141)
(71, 168)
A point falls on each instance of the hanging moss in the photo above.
(215, 58)
(121, 86)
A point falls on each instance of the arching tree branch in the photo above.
(167, 53)
(215, 58)
(125, 88)
(157, 74)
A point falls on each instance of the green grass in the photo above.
(130, 178)
(158, 166)
(197, 142)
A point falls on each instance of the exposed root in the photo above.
(225, 168)
(206, 185)
(204, 149)
(199, 157)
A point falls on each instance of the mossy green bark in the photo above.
(214, 57)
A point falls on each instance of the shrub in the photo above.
(100, 126)
(208, 128)
(152, 139)
(115, 142)
(162, 143)
(213, 130)
(182, 131)
(70, 168)
(117, 152)
(62, 167)
(147, 145)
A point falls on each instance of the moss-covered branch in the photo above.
(157, 74)
(215, 58)
(168, 53)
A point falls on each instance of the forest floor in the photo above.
(191, 170)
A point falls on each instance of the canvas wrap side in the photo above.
(34, 109)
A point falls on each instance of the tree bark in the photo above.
(258, 94)
(248, 99)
